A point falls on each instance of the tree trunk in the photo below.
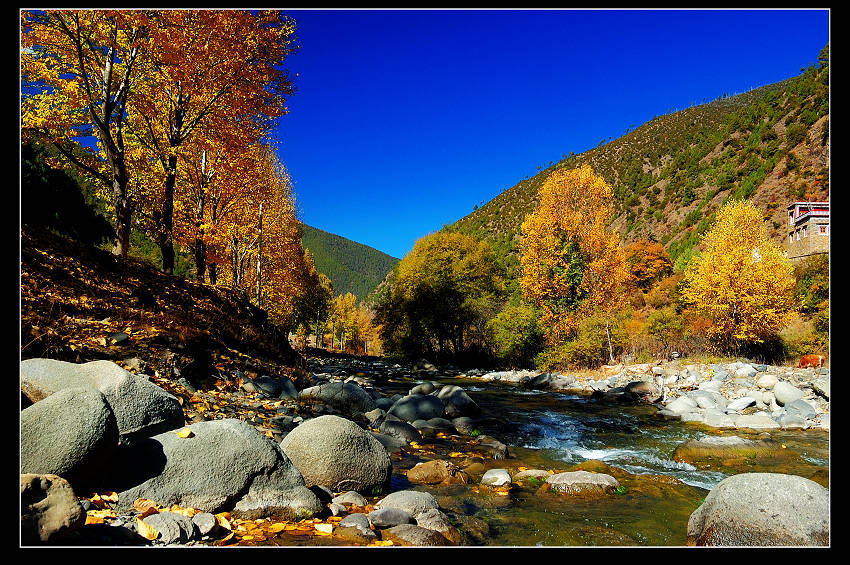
(610, 348)
(166, 242)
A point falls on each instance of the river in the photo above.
(554, 431)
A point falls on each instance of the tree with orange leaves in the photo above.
(648, 262)
(572, 266)
(212, 72)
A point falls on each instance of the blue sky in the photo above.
(403, 120)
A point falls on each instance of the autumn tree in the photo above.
(435, 294)
(79, 71)
(572, 266)
(344, 319)
(741, 281)
(648, 263)
(213, 72)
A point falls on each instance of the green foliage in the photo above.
(812, 287)
(351, 266)
(666, 326)
(439, 298)
(587, 349)
(517, 335)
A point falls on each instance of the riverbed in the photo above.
(556, 431)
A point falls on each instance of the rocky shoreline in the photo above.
(722, 395)
(182, 465)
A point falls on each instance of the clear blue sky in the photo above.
(404, 120)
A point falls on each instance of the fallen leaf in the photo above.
(185, 433)
(225, 539)
(145, 530)
(326, 529)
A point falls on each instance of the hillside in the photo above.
(80, 303)
(351, 266)
(671, 174)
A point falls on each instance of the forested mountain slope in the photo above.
(351, 266)
(671, 174)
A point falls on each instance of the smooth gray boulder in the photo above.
(172, 527)
(457, 403)
(762, 509)
(574, 482)
(413, 502)
(786, 393)
(49, 509)
(141, 408)
(71, 433)
(336, 452)
(346, 397)
(389, 517)
(226, 465)
(400, 430)
(418, 407)
(413, 535)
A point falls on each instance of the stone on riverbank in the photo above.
(762, 509)
(347, 397)
(418, 407)
(141, 408)
(336, 452)
(581, 482)
(49, 509)
(71, 433)
(225, 465)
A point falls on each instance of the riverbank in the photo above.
(417, 431)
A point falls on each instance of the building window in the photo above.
(805, 231)
(790, 238)
(798, 235)
(823, 230)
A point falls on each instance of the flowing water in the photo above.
(556, 431)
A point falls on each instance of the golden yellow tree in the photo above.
(79, 70)
(572, 266)
(741, 281)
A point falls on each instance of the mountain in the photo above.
(351, 266)
(671, 174)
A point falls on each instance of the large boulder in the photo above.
(71, 433)
(49, 509)
(346, 397)
(762, 509)
(224, 465)
(418, 407)
(337, 453)
(457, 403)
(141, 408)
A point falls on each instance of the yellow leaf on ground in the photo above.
(142, 504)
(146, 531)
(94, 520)
(275, 528)
(455, 454)
(185, 433)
